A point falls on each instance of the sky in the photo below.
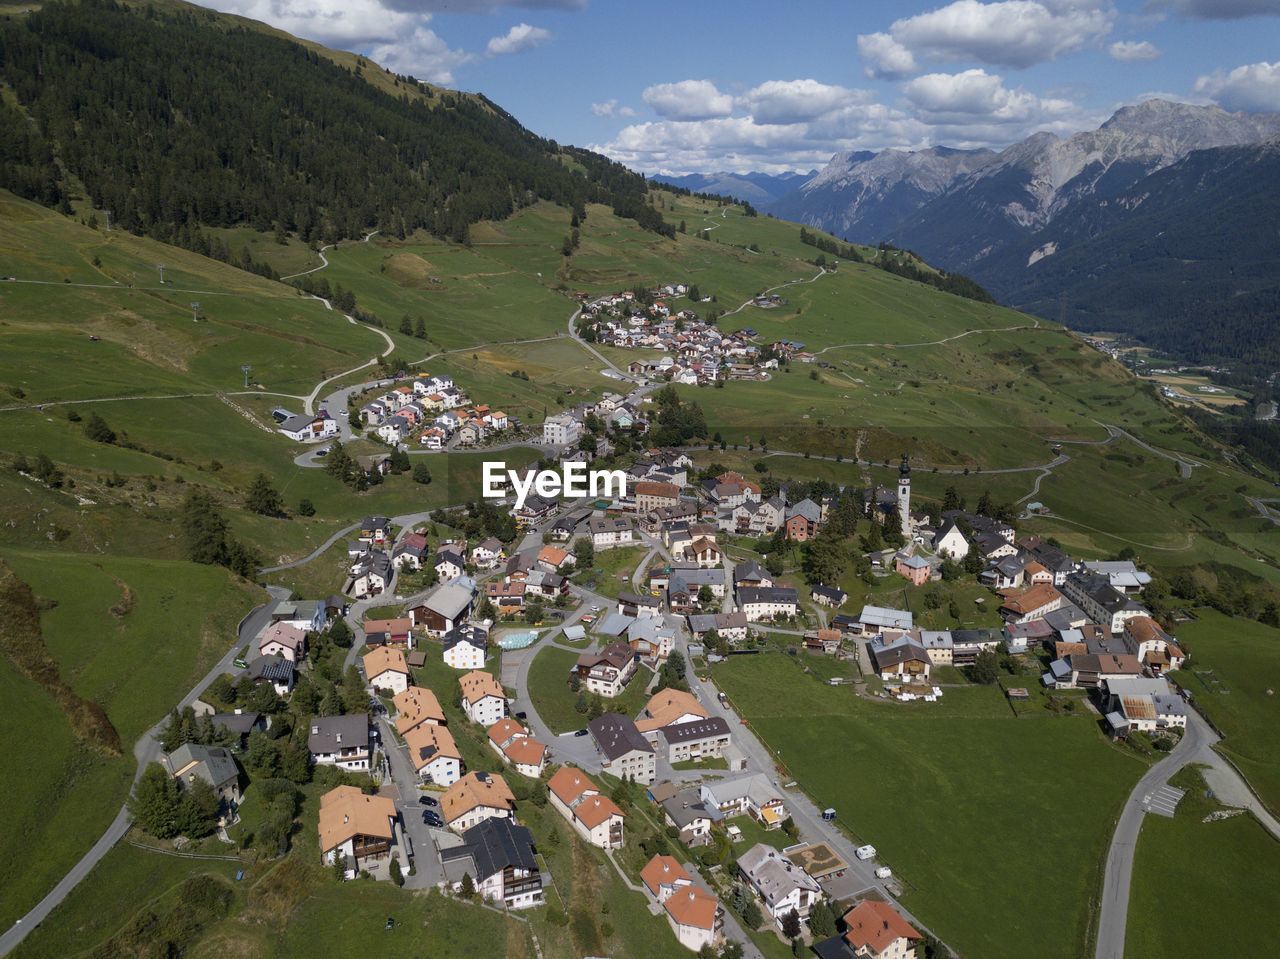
(749, 85)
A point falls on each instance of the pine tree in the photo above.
(154, 802)
(262, 497)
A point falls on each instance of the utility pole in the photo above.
(246, 369)
(160, 267)
(107, 214)
(195, 312)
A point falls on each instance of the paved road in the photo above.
(145, 751)
(1195, 746)
(428, 871)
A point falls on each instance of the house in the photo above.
(607, 672)
(938, 646)
(276, 670)
(781, 885)
(240, 724)
(445, 608)
(915, 569)
(768, 602)
(686, 812)
(560, 430)
(634, 605)
(1034, 602)
(370, 575)
(704, 552)
(415, 706)
(475, 797)
(483, 698)
(731, 627)
(873, 929)
(434, 754)
(307, 615)
(396, 632)
(901, 658)
(213, 764)
(376, 530)
(341, 741)
(750, 795)
(667, 707)
(1155, 649)
(624, 752)
(650, 638)
(411, 552)
(466, 646)
(1140, 704)
(823, 640)
(1091, 670)
(802, 521)
(488, 553)
(596, 818)
(449, 563)
(695, 917)
(750, 574)
(650, 496)
(1102, 602)
(832, 596)
(507, 596)
(361, 831)
(1049, 556)
(949, 541)
(284, 640)
(883, 621)
(500, 858)
(513, 743)
(304, 428)
(696, 739)
(385, 668)
(553, 558)
(966, 644)
(1122, 575)
(608, 532)
(663, 877)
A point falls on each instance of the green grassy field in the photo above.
(611, 572)
(984, 792)
(1192, 880)
(554, 701)
(172, 620)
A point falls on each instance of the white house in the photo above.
(781, 885)
(596, 818)
(385, 668)
(434, 754)
(341, 741)
(363, 832)
(561, 430)
(767, 602)
(483, 699)
(475, 797)
(465, 647)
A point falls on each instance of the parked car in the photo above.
(582, 732)
(432, 819)
(428, 801)
(240, 664)
(595, 609)
(522, 715)
(865, 852)
(884, 872)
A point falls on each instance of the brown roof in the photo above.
(417, 705)
(616, 655)
(426, 742)
(504, 730)
(471, 791)
(1030, 599)
(702, 544)
(525, 751)
(692, 907)
(1144, 629)
(401, 624)
(346, 812)
(663, 870)
(477, 684)
(286, 634)
(1107, 664)
(650, 488)
(666, 706)
(876, 926)
(552, 555)
(382, 659)
(569, 783)
(1063, 649)
(594, 810)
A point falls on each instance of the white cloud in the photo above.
(423, 54)
(1254, 88)
(1133, 51)
(885, 56)
(688, 100)
(1011, 33)
(976, 94)
(792, 101)
(610, 108)
(339, 22)
(1218, 9)
(519, 38)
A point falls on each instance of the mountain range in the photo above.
(754, 188)
(1056, 225)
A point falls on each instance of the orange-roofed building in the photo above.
(663, 875)
(361, 831)
(595, 817)
(553, 557)
(668, 707)
(695, 917)
(415, 706)
(385, 668)
(513, 743)
(476, 797)
(483, 698)
(434, 754)
(875, 929)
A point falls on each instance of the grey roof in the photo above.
(695, 730)
(449, 600)
(773, 874)
(471, 634)
(883, 616)
(329, 734)
(831, 592)
(1066, 617)
(901, 650)
(492, 846)
(214, 764)
(615, 735)
(687, 807)
(701, 623)
(299, 421)
(241, 723)
(767, 594)
(274, 669)
(698, 576)
(806, 508)
(614, 624)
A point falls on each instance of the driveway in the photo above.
(426, 858)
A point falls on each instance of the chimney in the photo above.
(345, 819)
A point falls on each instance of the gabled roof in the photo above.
(332, 733)
(663, 871)
(692, 906)
(875, 926)
(477, 684)
(346, 812)
(473, 790)
(417, 705)
(384, 659)
(426, 742)
(494, 845)
(615, 735)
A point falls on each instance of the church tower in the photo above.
(904, 498)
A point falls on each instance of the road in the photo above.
(145, 752)
(427, 869)
(1196, 746)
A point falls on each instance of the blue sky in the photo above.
(752, 85)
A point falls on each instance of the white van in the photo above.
(884, 872)
(865, 852)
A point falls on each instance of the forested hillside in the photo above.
(174, 117)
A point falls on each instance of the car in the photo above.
(522, 715)
(884, 872)
(595, 609)
(582, 732)
(239, 664)
(428, 801)
(865, 852)
(432, 819)
(323, 452)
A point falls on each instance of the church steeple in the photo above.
(904, 498)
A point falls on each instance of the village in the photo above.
(448, 727)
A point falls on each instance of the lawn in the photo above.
(1233, 672)
(955, 765)
(612, 570)
(1193, 879)
(554, 701)
(171, 621)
